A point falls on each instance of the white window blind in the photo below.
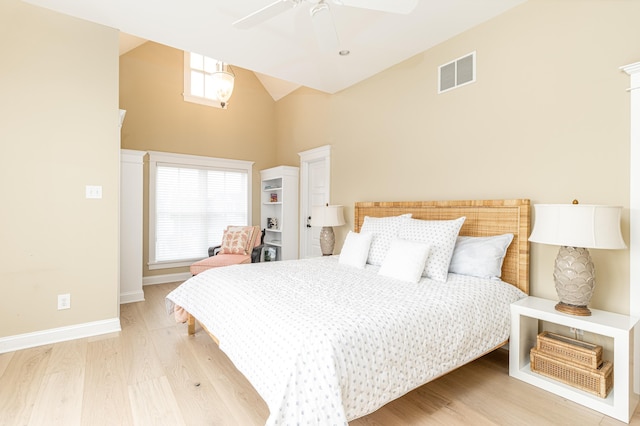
(191, 201)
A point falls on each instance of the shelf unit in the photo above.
(279, 201)
(526, 315)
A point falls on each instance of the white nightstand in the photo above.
(525, 316)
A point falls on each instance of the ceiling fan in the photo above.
(321, 15)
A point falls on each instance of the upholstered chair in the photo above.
(240, 244)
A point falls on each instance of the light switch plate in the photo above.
(93, 191)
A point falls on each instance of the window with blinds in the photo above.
(191, 201)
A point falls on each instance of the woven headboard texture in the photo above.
(483, 218)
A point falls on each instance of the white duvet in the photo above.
(325, 343)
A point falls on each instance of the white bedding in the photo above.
(325, 343)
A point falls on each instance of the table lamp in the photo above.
(576, 228)
(327, 216)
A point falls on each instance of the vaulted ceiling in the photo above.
(284, 51)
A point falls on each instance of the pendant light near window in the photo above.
(223, 79)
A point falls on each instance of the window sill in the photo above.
(203, 101)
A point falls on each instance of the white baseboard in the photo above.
(61, 334)
(130, 297)
(168, 278)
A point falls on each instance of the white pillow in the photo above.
(355, 249)
(405, 260)
(441, 236)
(480, 256)
(384, 230)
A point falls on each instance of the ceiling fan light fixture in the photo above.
(323, 26)
(321, 17)
(319, 7)
(223, 81)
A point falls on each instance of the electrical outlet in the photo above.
(64, 301)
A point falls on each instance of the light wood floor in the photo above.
(152, 373)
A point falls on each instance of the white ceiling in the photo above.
(285, 47)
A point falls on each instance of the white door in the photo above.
(314, 191)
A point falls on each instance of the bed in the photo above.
(325, 342)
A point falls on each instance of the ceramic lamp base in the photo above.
(327, 240)
(575, 279)
(582, 311)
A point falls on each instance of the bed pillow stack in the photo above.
(405, 248)
(409, 249)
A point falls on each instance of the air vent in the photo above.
(457, 73)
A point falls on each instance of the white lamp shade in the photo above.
(578, 225)
(327, 216)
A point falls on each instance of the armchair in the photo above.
(240, 244)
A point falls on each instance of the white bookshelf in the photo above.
(279, 201)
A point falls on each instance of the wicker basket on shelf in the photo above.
(596, 381)
(568, 349)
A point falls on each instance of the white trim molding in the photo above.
(131, 225)
(634, 212)
(166, 278)
(60, 334)
(131, 297)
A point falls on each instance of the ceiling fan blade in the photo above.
(392, 6)
(267, 12)
(324, 27)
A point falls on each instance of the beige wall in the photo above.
(58, 133)
(547, 119)
(158, 119)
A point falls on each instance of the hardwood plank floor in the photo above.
(152, 373)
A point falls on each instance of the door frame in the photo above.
(634, 211)
(307, 157)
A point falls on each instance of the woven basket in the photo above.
(596, 381)
(568, 349)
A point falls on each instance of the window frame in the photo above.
(186, 94)
(194, 161)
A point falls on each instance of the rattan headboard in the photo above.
(483, 218)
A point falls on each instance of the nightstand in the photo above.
(525, 317)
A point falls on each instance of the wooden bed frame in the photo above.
(483, 218)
